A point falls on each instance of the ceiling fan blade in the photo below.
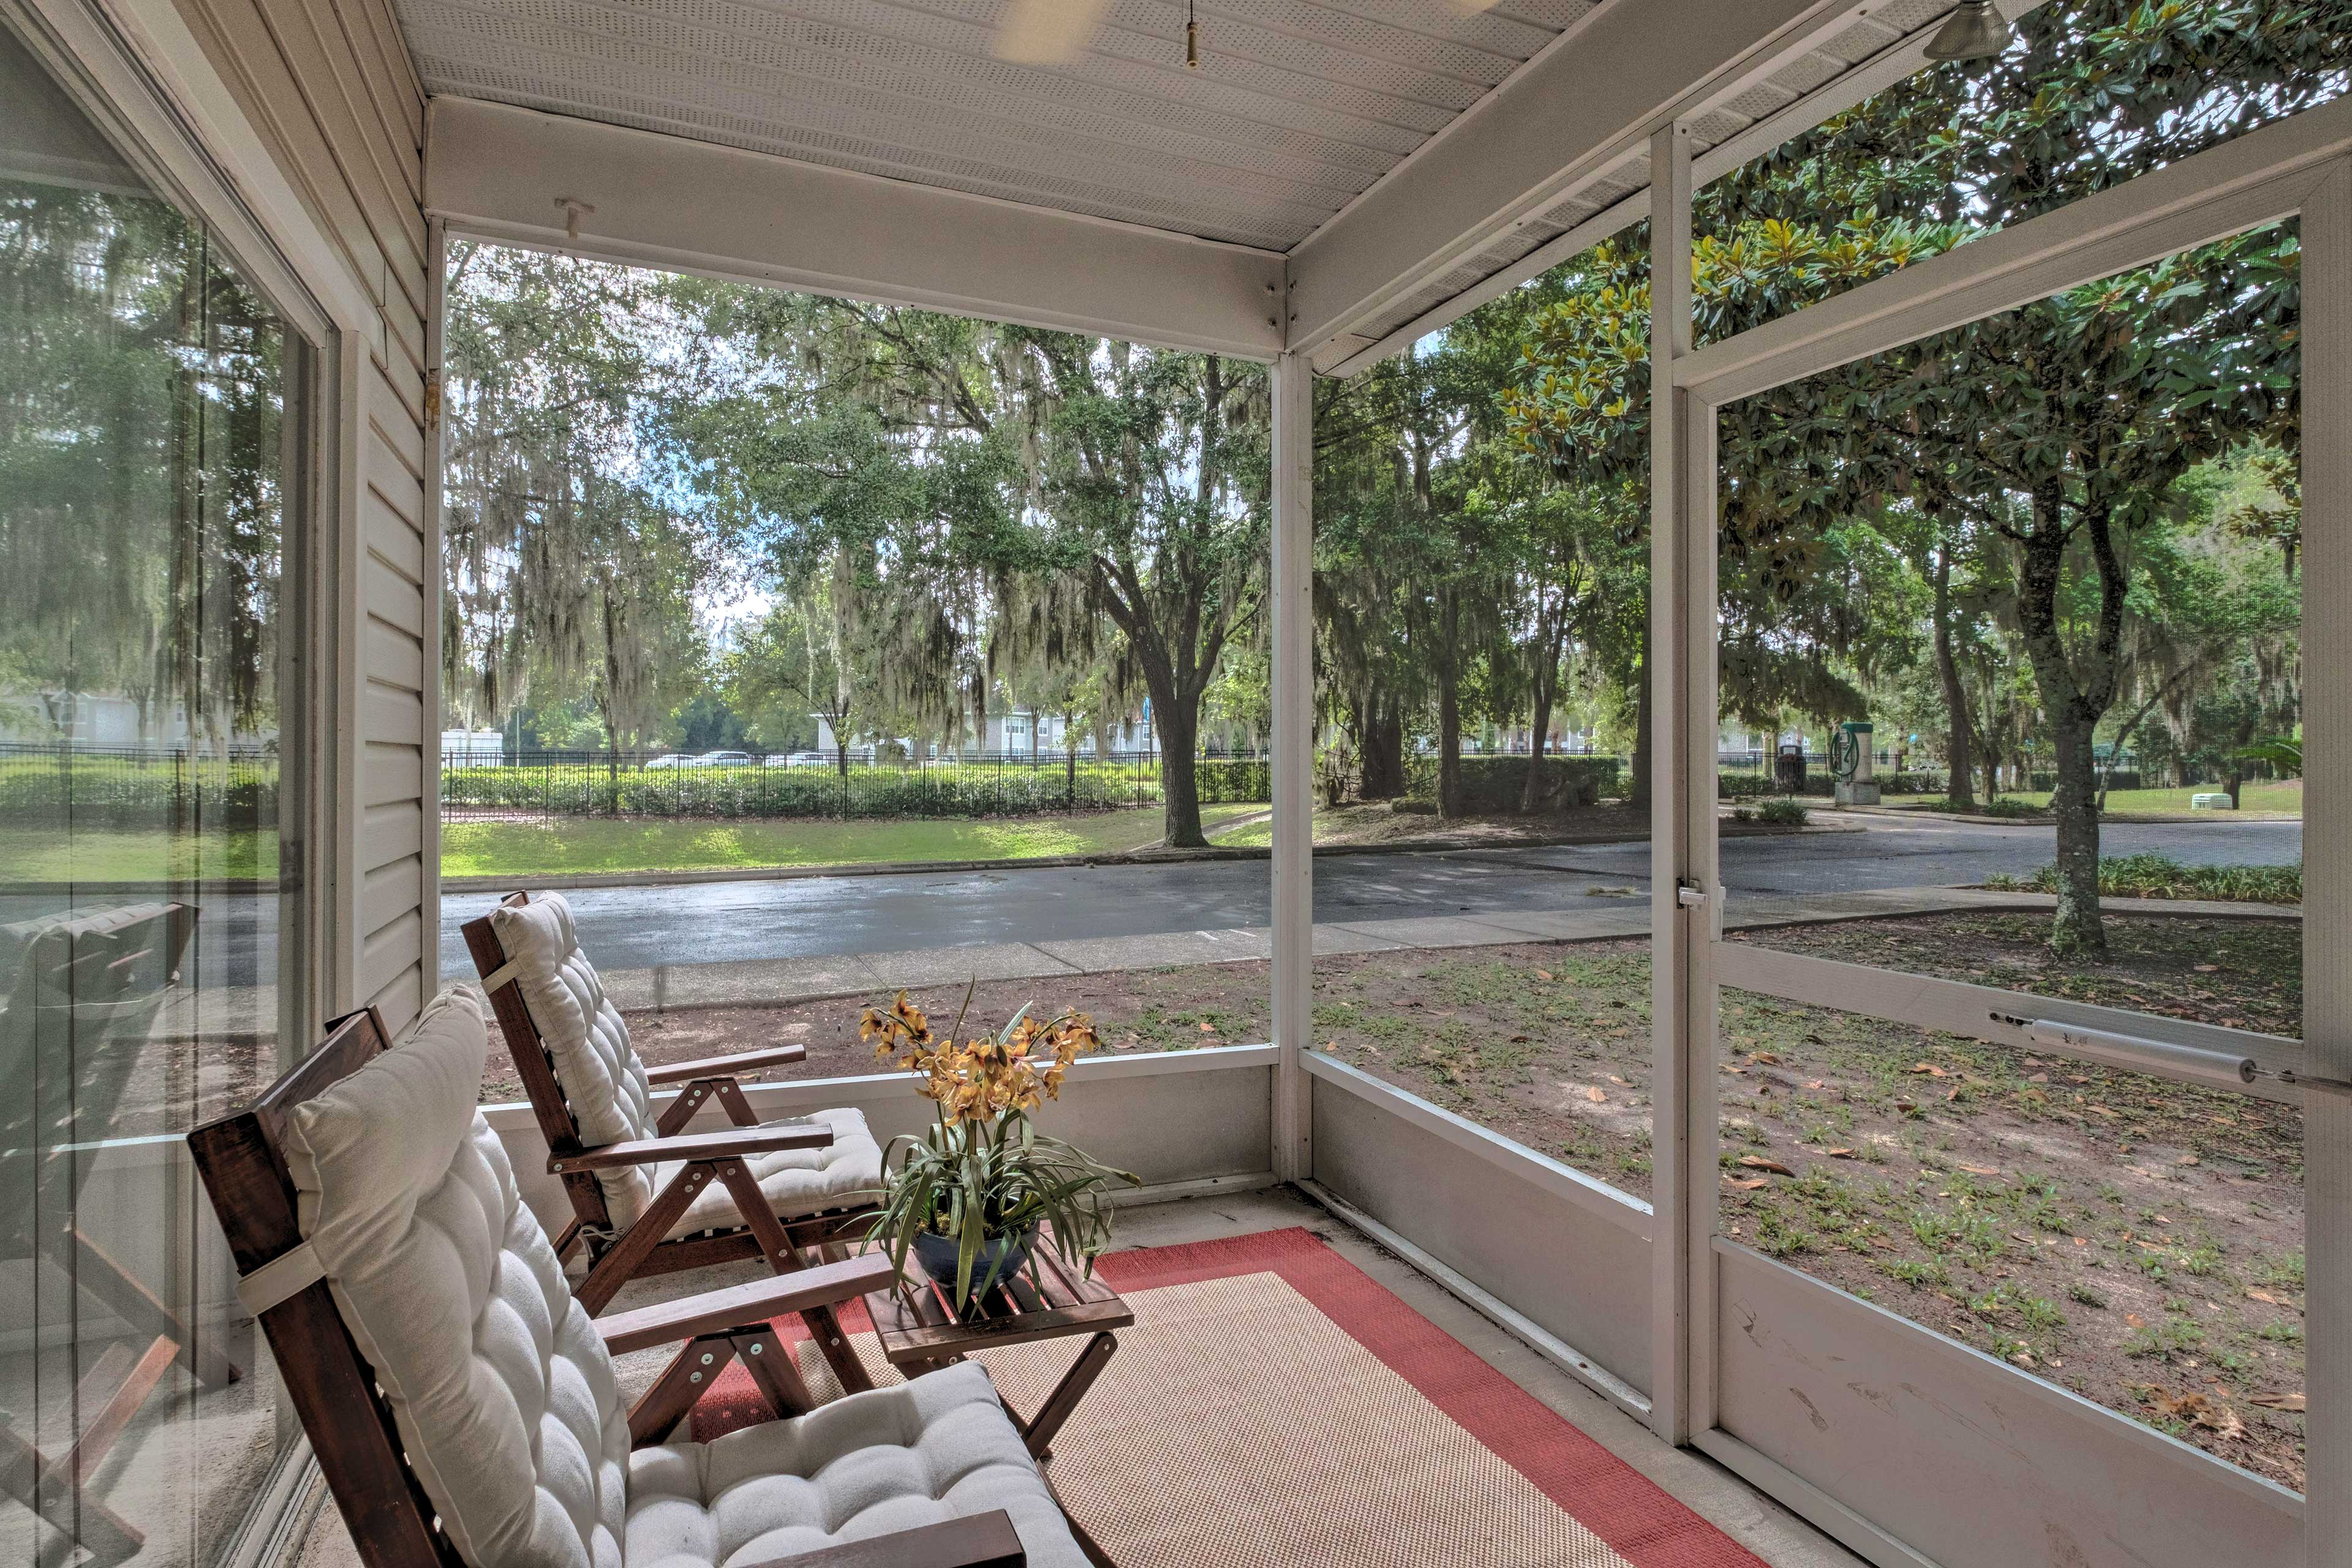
(1049, 32)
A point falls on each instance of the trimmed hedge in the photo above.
(100, 791)
(1492, 786)
(1237, 780)
(759, 793)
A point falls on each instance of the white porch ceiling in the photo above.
(1408, 157)
(1297, 106)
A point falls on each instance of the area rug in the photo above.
(1273, 1406)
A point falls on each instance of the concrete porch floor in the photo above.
(1747, 1516)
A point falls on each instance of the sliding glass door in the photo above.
(147, 420)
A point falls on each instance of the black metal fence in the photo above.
(545, 786)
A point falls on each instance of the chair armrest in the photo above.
(981, 1540)
(720, 1145)
(827, 1285)
(727, 1067)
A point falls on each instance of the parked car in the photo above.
(722, 760)
(808, 760)
(668, 760)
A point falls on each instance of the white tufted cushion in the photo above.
(501, 1388)
(896, 1459)
(595, 1062)
(795, 1181)
(606, 1083)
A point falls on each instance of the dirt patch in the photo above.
(2137, 1241)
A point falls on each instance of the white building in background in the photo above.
(473, 748)
(109, 721)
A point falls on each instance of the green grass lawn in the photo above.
(590, 845)
(2277, 800)
(47, 855)
(584, 846)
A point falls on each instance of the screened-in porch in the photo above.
(1589, 1096)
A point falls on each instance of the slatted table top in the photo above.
(915, 1324)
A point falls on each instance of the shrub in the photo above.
(1234, 781)
(40, 786)
(755, 792)
(2005, 807)
(1781, 813)
(1493, 785)
(1914, 781)
(2161, 877)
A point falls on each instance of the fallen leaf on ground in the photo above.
(1766, 1057)
(1749, 1185)
(1596, 1096)
(1841, 1154)
(1543, 974)
(2198, 1410)
(1931, 1069)
(2134, 1319)
(2277, 1401)
(2263, 1296)
(1208, 1028)
(1759, 1163)
(2207, 968)
(1982, 1170)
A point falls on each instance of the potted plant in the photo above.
(968, 1197)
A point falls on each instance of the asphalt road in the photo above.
(628, 928)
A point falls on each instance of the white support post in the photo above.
(1682, 851)
(2328, 862)
(1294, 762)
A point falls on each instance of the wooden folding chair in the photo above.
(668, 1173)
(77, 1018)
(412, 1485)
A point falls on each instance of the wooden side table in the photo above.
(920, 1331)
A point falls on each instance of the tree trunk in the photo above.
(1379, 731)
(2077, 929)
(1180, 784)
(1638, 787)
(1449, 712)
(1956, 695)
(1531, 790)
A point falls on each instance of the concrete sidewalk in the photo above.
(777, 981)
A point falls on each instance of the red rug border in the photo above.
(1640, 1520)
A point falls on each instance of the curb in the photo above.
(650, 989)
(2043, 819)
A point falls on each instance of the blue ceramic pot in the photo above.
(938, 1255)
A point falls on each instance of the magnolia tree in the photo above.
(2059, 429)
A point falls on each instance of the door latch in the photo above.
(1690, 895)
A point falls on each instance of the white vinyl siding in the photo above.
(329, 86)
